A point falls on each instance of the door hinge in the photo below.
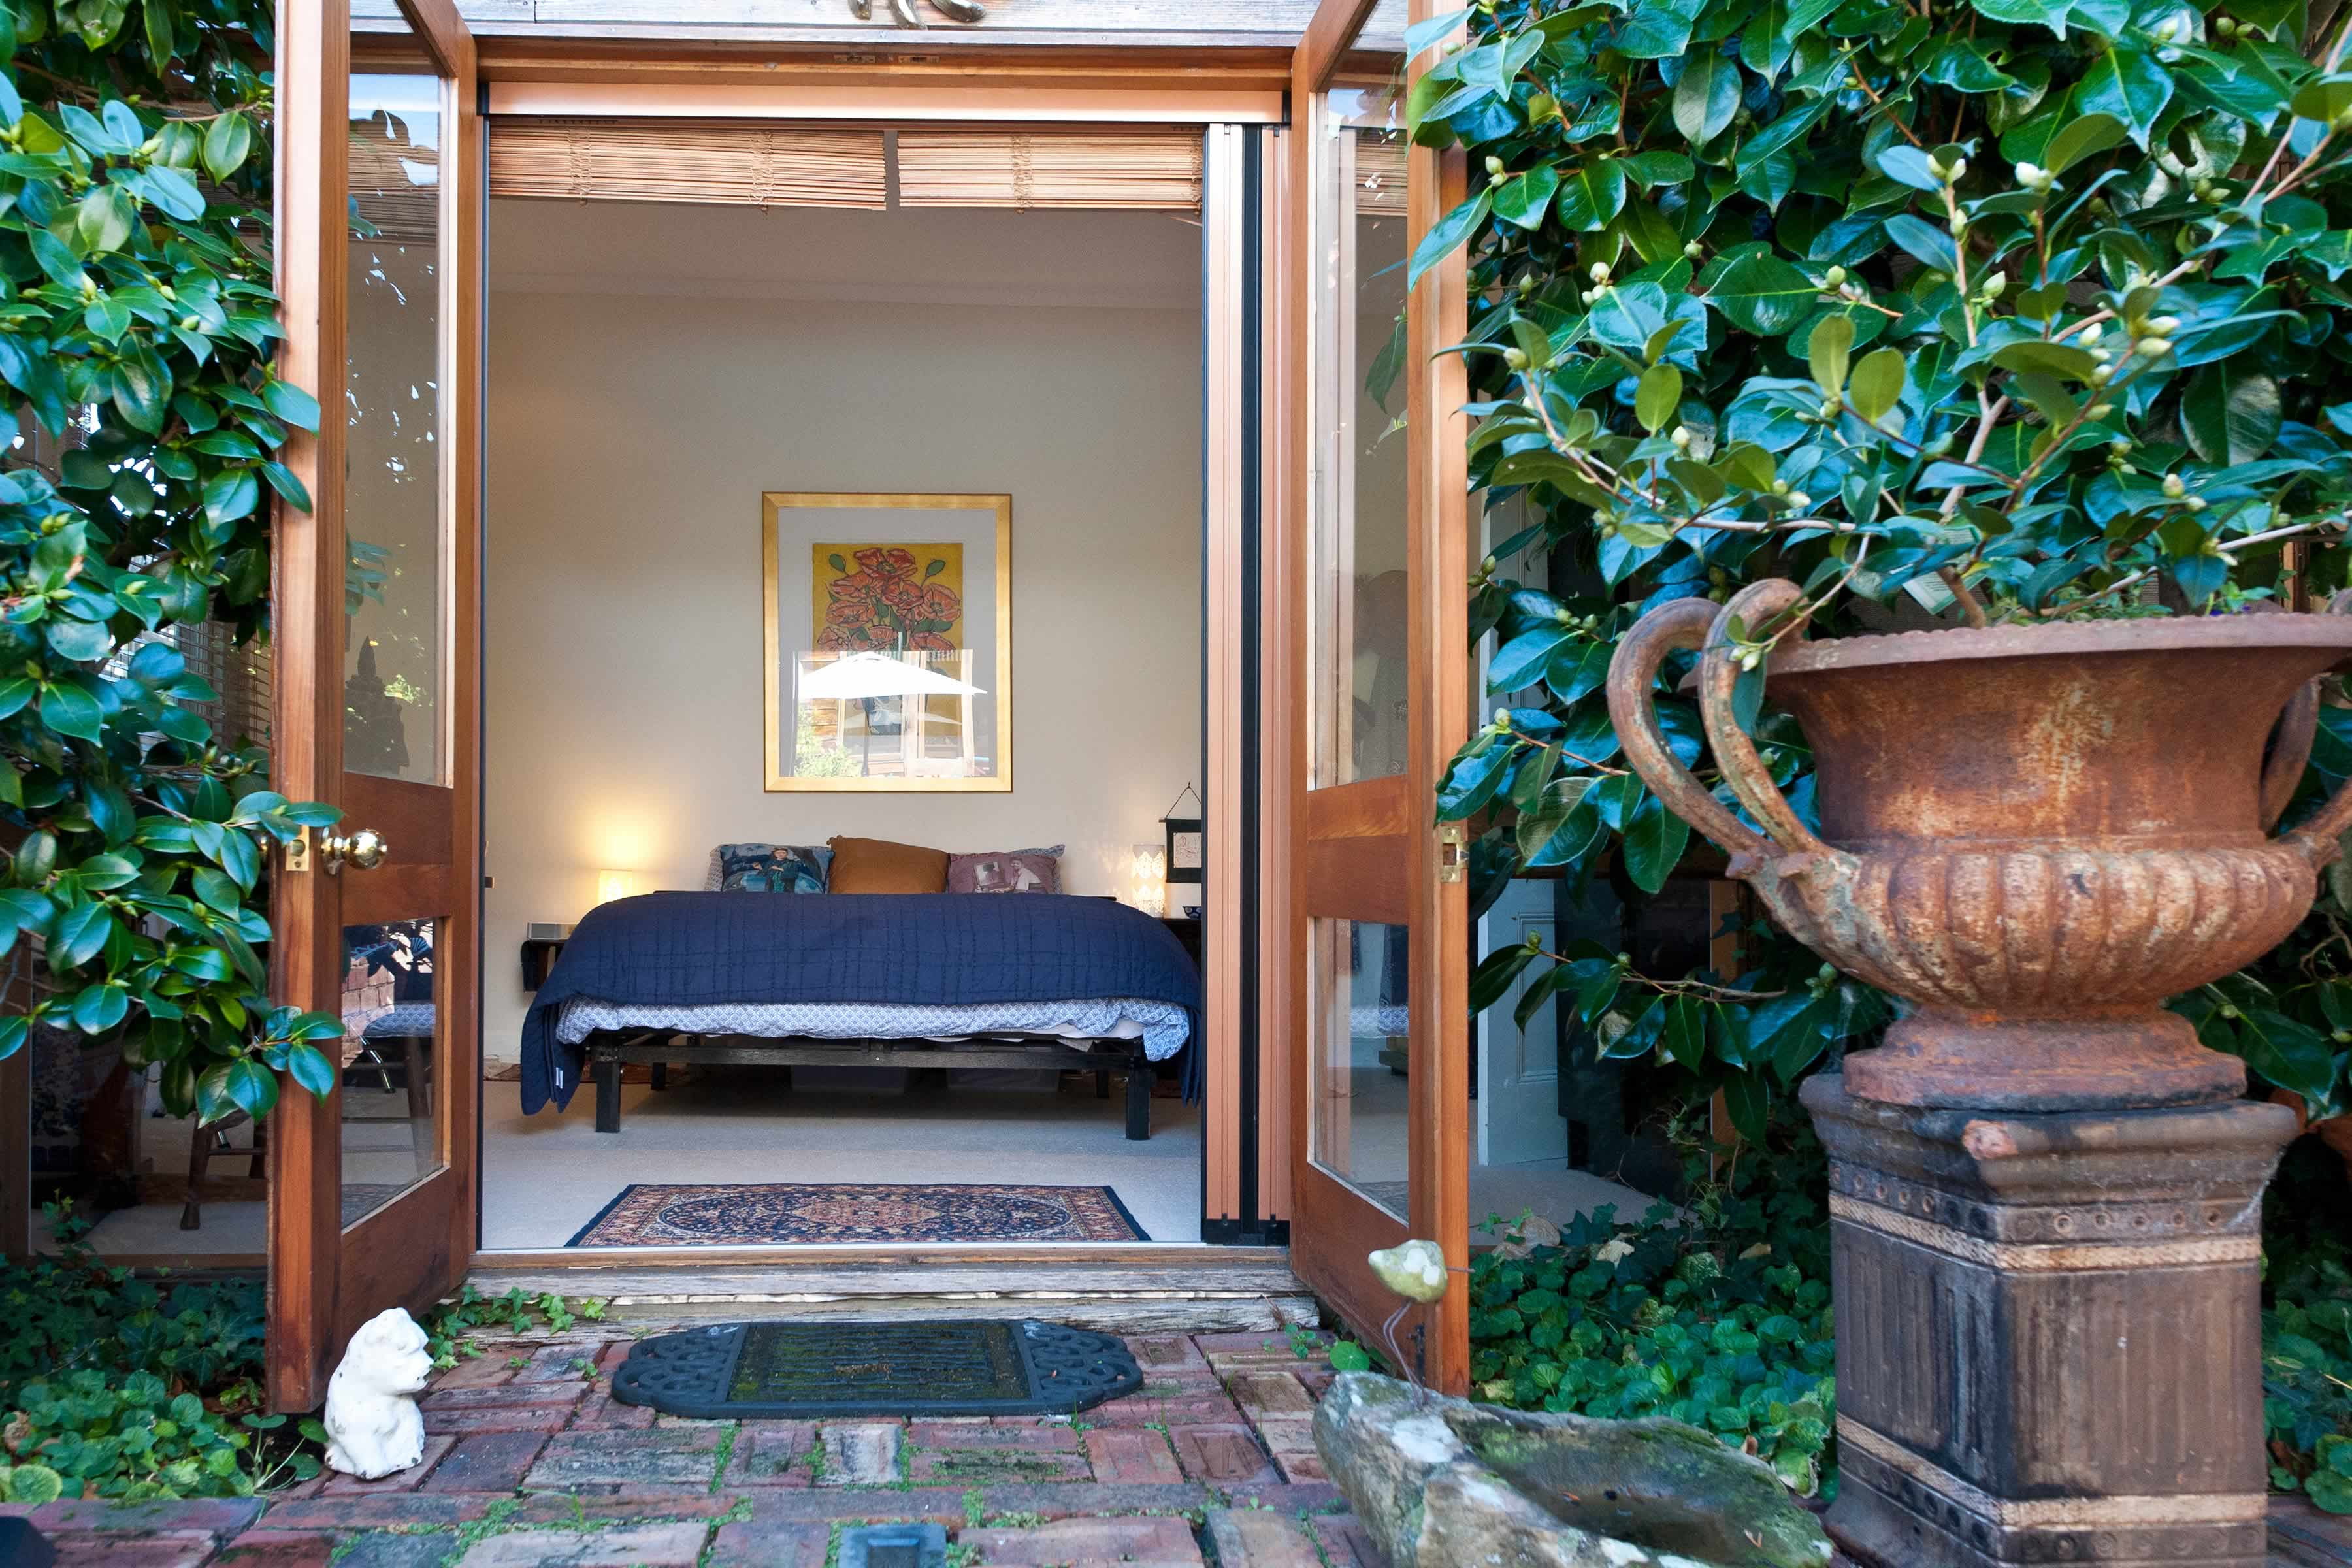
(298, 851)
(1452, 852)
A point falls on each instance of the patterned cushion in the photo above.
(879, 865)
(773, 868)
(1007, 871)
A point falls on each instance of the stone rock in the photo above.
(374, 1427)
(1450, 1484)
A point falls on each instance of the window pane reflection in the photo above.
(390, 1057)
(395, 639)
(1359, 1021)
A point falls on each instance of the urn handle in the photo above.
(1678, 627)
(2319, 840)
(1734, 754)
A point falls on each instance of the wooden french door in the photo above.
(372, 1198)
(1376, 583)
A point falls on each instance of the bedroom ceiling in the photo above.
(1135, 259)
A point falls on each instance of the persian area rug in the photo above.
(732, 1371)
(654, 1215)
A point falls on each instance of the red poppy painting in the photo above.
(888, 598)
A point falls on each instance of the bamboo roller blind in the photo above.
(727, 163)
(745, 163)
(1151, 169)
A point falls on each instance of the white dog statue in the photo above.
(374, 1427)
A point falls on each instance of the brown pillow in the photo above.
(878, 865)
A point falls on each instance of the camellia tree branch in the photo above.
(136, 342)
(2018, 310)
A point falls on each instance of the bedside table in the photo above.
(539, 955)
(1186, 930)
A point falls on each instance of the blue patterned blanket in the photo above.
(933, 948)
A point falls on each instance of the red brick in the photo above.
(756, 1544)
(1263, 1394)
(1166, 1352)
(557, 1364)
(1315, 1380)
(609, 1359)
(416, 1510)
(1244, 1340)
(984, 1467)
(622, 1546)
(600, 1412)
(1181, 1409)
(487, 1462)
(947, 1505)
(504, 1396)
(1225, 1454)
(221, 1516)
(540, 1419)
(336, 1484)
(1089, 1544)
(772, 1454)
(112, 1549)
(476, 1371)
(994, 1435)
(1253, 1537)
(624, 1505)
(1346, 1542)
(673, 1459)
(278, 1548)
(1291, 1440)
(1305, 1497)
(1131, 1456)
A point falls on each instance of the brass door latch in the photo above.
(363, 851)
(1452, 852)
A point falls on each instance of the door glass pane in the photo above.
(391, 1050)
(1358, 1024)
(1356, 686)
(395, 643)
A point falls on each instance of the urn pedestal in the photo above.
(2049, 1336)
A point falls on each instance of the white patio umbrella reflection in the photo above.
(861, 677)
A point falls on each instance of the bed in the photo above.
(889, 979)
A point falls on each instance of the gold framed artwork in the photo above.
(889, 641)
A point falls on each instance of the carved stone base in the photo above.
(2049, 1333)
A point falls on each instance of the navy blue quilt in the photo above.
(923, 949)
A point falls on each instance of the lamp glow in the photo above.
(1150, 880)
(610, 885)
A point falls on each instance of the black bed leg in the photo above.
(1102, 1083)
(608, 1094)
(1139, 1097)
(659, 1073)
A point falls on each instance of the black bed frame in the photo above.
(607, 1048)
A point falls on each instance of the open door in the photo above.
(1376, 590)
(372, 1198)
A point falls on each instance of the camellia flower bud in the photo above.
(1693, 250)
(2174, 488)
(1682, 436)
(2152, 348)
(2035, 178)
(1834, 276)
(1597, 271)
(1515, 358)
(2093, 333)
(1494, 165)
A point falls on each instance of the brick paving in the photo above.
(1210, 1462)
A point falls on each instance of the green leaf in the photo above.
(1877, 384)
(1524, 199)
(227, 141)
(1440, 242)
(291, 404)
(1930, 243)
(2231, 412)
(1707, 96)
(103, 219)
(1590, 197)
(231, 494)
(2083, 136)
(1826, 353)
(1763, 294)
(71, 710)
(1658, 395)
(1654, 838)
(2128, 84)
(2050, 13)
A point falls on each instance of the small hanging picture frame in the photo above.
(1188, 857)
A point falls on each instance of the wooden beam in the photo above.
(1438, 667)
(307, 598)
(1279, 283)
(1326, 42)
(824, 100)
(443, 33)
(1222, 218)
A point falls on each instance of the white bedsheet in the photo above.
(1160, 1025)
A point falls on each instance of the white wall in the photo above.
(629, 440)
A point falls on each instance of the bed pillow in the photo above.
(878, 865)
(1006, 871)
(772, 867)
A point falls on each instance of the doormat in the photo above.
(654, 1215)
(735, 1371)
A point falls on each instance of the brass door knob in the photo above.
(365, 850)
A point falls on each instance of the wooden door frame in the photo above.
(1380, 833)
(323, 1279)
